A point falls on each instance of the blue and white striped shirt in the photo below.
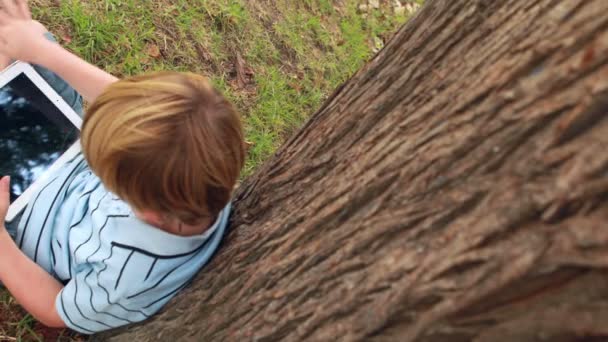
(116, 269)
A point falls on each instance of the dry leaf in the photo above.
(66, 38)
(152, 50)
(240, 71)
(295, 86)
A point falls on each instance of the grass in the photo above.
(277, 62)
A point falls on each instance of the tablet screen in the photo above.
(33, 133)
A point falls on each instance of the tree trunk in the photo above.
(455, 189)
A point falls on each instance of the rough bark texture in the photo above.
(455, 189)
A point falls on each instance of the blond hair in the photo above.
(166, 142)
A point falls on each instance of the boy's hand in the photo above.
(5, 199)
(4, 62)
(29, 283)
(20, 37)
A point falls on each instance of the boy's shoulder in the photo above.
(127, 231)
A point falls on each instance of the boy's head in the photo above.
(167, 143)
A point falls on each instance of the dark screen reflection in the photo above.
(33, 133)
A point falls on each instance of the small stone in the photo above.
(409, 8)
(509, 95)
(374, 4)
(363, 8)
(378, 44)
(412, 7)
(398, 8)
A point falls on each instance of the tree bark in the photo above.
(455, 189)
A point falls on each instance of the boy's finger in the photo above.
(4, 181)
(4, 18)
(24, 9)
(5, 198)
(5, 184)
(3, 42)
(9, 7)
(4, 60)
(3, 35)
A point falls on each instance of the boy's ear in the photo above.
(150, 217)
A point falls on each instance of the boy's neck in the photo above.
(183, 229)
(174, 227)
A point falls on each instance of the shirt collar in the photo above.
(154, 240)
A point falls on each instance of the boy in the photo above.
(117, 232)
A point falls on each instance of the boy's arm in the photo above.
(23, 39)
(87, 79)
(33, 288)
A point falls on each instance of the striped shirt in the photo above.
(116, 269)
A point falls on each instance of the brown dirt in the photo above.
(13, 326)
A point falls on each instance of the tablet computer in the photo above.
(39, 132)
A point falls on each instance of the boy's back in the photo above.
(116, 268)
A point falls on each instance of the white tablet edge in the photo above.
(6, 76)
